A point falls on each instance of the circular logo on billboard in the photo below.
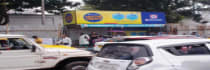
(132, 16)
(93, 17)
(153, 16)
(68, 18)
(118, 16)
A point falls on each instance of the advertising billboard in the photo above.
(153, 18)
(69, 18)
(108, 17)
(115, 18)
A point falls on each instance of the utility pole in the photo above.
(43, 11)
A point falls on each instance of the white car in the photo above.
(19, 53)
(98, 45)
(168, 54)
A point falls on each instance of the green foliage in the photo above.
(4, 18)
(167, 6)
(19, 5)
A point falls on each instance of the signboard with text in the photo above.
(69, 18)
(108, 17)
(153, 18)
(115, 18)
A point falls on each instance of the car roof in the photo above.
(135, 36)
(10, 35)
(167, 37)
(165, 42)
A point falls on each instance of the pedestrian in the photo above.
(37, 39)
(195, 34)
(84, 40)
(65, 40)
(93, 36)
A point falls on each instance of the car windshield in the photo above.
(123, 51)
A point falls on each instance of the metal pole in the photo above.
(7, 28)
(43, 11)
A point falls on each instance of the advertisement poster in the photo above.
(108, 17)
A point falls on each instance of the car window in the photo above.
(14, 44)
(124, 51)
(4, 44)
(192, 49)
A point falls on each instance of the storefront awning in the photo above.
(122, 25)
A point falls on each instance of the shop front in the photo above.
(112, 22)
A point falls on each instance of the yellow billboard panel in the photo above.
(69, 18)
(108, 17)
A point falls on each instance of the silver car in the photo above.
(168, 54)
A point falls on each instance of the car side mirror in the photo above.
(33, 48)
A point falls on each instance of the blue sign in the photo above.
(93, 17)
(153, 18)
(132, 16)
(118, 16)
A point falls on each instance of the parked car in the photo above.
(99, 45)
(19, 53)
(168, 54)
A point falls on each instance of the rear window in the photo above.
(124, 51)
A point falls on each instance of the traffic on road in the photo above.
(143, 53)
(104, 34)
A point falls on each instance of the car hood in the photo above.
(60, 48)
(101, 43)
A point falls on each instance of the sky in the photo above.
(78, 1)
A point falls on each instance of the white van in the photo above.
(166, 54)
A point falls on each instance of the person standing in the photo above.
(84, 40)
(65, 41)
(93, 36)
(195, 34)
(37, 39)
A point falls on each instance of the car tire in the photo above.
(76, 65)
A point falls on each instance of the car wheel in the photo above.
(76, 65)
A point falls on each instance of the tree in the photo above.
(4, 18)
(167, 6)
(204, 1)
(49, 4)
(19, 5)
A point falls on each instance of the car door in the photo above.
(16, 53)
(191, 57)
